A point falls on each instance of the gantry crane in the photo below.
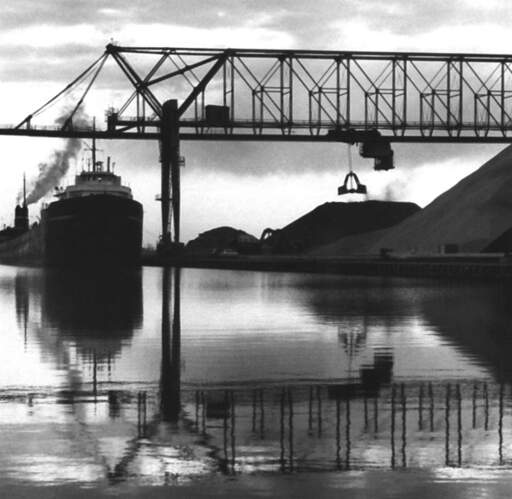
(369, 98)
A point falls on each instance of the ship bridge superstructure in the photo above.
(97, 181)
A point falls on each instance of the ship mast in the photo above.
(94, 145)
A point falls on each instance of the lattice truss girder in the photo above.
(303, 92)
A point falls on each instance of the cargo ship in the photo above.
(94, 221)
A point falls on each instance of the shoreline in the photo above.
(470, 266)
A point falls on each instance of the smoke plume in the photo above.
(54, 169)
(396, 191)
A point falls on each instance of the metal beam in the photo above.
(245, 137)
(202, 84)
(302, 95)
(375, 55)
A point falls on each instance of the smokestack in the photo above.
(24, 191)
(108, 164)
(21, 212)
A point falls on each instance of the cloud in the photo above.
(415, 19)
(115, 13)
(248, 34)
(310, 26)
(48, 35)
(44, 36)
(477, 36)
(56, 50)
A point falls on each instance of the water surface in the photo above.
(231, 382)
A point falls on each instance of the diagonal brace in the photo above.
(202, 84)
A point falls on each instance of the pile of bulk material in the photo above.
(331, 221)
(222, 239)
(473, 216)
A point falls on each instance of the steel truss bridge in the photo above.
(370, 98)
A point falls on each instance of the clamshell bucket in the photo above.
(351, 185)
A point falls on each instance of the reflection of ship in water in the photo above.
(94, 312)
(97, 310)
(22, 304)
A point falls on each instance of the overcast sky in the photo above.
(45, 43)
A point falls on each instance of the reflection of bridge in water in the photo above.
(326, 427)
(166, 432)
(299, 428)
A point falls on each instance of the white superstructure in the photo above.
(96, 181)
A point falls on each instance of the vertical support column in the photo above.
(281, 93)
(338, 90)
(170, 172)
(404, 111)
(290, 94)
(348, 91)
(461, 99)
(176, 192)
(393, 93)
(448, 98)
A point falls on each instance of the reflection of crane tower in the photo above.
(352, 340)
(170, 381)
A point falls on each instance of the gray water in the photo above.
(230, 383)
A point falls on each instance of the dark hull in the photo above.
(90, 230)
(27, 248)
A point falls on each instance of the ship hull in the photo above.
(91, 230)
(99, 229)
(26, 248)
